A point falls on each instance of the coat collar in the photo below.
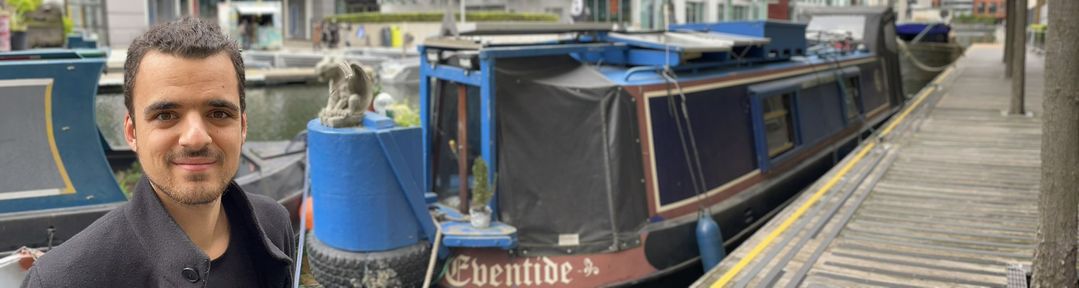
(172, 249)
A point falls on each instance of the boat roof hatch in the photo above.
(517, 28)
(698, 44)
(476, 42)
(675, 41)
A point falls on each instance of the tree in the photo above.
(1055, 255)
(21, 8)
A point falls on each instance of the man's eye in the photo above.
(165, 117)
(219, 115)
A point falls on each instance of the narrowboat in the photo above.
(603, 148)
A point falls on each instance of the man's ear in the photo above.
(243, 127)
(129, 133)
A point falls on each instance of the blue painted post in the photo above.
(425, 107)
(709, 241)
(487, 120)
(757, 120)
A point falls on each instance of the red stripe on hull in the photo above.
(497, 268)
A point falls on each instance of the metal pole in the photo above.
(608, 12)
(595, 10)
(462, 18)
(1009, 22)
(620, 20)
(1019, 52)
(666, 17)
(462, 146)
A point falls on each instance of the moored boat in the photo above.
(927, 49)
(604, 147)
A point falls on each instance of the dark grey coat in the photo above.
(139, 245)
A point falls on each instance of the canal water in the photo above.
(273, 112)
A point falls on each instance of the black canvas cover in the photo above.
(570, 172)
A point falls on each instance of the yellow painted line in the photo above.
(918, 101)
(942, 76)
(68, 188)
(790, 220)
(729, 275)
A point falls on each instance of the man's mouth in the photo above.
(195, 165)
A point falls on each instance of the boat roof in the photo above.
(639, 77)
(689, 51)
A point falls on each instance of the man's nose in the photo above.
(195, 135)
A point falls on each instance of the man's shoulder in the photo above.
(273, 218)
(96, 253)
(275, 221)
(108, 234)
(269, 212)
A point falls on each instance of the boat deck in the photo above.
(946, 198)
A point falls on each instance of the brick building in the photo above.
(992, 8)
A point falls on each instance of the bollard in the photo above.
(357, 198)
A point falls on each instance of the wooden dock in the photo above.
(945, 196)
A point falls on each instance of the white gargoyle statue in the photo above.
(351, 90)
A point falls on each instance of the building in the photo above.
(633, 14)
(779, 10)
(648, 14)
(559, 7)
(86, 17)
(990, 8)
(125, 19)
(957, 7)
(797, 7)
(913, 10)
(1039, 11)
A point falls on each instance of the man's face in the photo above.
(187, 128)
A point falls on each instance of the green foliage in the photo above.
(374, 17)
(69, 25)
(404, 116)
(481, 190)
(975, 19)
(128, 178)
(21, 8)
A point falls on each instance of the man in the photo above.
(187, 224)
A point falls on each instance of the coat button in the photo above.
(191, 275)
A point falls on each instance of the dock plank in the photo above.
(948, 199)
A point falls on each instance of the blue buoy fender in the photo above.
(709, 241)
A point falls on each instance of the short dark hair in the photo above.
(187, 37)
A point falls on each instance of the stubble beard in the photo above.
(192, 196)
(201, 191)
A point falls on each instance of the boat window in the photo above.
(445, 125)
(852, 93)
(777, 124)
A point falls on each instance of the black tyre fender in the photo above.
(401, 267)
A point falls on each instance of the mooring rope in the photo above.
(919, 64)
